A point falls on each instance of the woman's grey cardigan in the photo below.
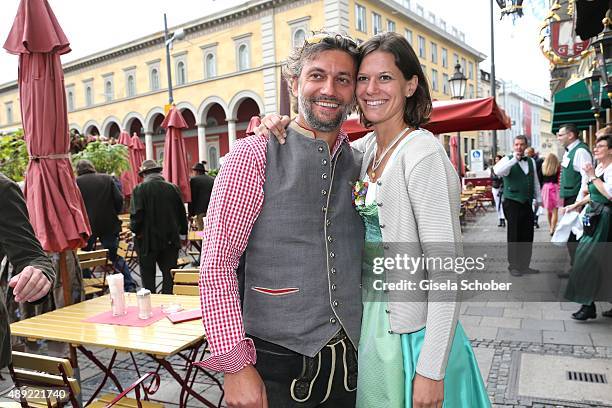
(419, 203)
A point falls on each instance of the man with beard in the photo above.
(288, 211)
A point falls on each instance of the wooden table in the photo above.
(159, 340)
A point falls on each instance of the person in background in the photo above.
(521, 187)
(201, 189)
(530, 152)
(576, 156)
(159, 223)
(103, 202)
(550, 190)
(497, 188)
(34, 272)
(590, 276)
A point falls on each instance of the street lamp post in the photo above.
(457, 84)
(178, 35)
(493, 84)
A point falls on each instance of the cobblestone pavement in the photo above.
(523, 348)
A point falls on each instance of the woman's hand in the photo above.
(589, 170)
(275, 124)
(427, 393)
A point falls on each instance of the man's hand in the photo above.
(273, 124)
(427, 393)
(29, 285)
(518, 156)
(245, 389)
(589, 170)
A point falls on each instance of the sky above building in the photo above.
(92, 26)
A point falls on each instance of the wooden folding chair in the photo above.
(92, 260)
(186, 282)
(42, 381)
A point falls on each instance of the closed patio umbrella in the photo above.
(175, 166)
(454, 155)
(56, 208)
(127, 178)
(137, 156)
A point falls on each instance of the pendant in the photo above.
(373, 175)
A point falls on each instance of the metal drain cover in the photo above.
(587, 377)
(547, 377)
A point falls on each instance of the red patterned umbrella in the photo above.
(137, 156)
(127, 178)
(54, 202)
(175, 166)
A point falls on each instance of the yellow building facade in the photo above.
(228, 69)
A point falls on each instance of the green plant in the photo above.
(213, 172)
(13, 155)
(106, 157)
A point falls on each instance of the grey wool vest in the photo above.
(303, 259)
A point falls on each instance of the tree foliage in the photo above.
(106, 157)
(13, 155)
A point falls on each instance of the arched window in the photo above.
(180, 73)
(108, 91)
(88, 96)
(210, 66)
(154, 79)
(243, 57)
(70, 101)
(131, 86)
(213, 157)
(299, 36)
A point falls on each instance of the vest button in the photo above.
(330, 238)
(379, 183)
(335, 303)
(320, 149)
(324, 176)
(332, 320)
(385, 246)
(379, 204)
(332, 254)
(382, 226)
(390, 332)
(324, 162)
(387, 311)
(333, 286)
(333, 271)
(323, 192)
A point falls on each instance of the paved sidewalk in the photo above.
(525, 349)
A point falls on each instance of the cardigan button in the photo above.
(333, 320)
(333, 286)
(320, 149)
(324, 162)
(332, 255)
(324, 176)
(330, 238)
(335, 303)
(333, 271)
(324, 192)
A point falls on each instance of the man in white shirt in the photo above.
(521, 188)
(576, 155)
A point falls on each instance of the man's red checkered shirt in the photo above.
(235, 203)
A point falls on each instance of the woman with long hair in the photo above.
(550, 189)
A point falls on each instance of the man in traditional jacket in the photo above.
(521, 187)
(159, 221)
(35, 274)
(576, 155)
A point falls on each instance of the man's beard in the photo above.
(304, 107)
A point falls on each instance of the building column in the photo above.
(231, 132)
(202, 143)
(149, 145)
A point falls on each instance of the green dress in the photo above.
(388, 361)
(591, 260)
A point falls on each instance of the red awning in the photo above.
(452, 116)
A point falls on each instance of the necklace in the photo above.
(375, 162)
